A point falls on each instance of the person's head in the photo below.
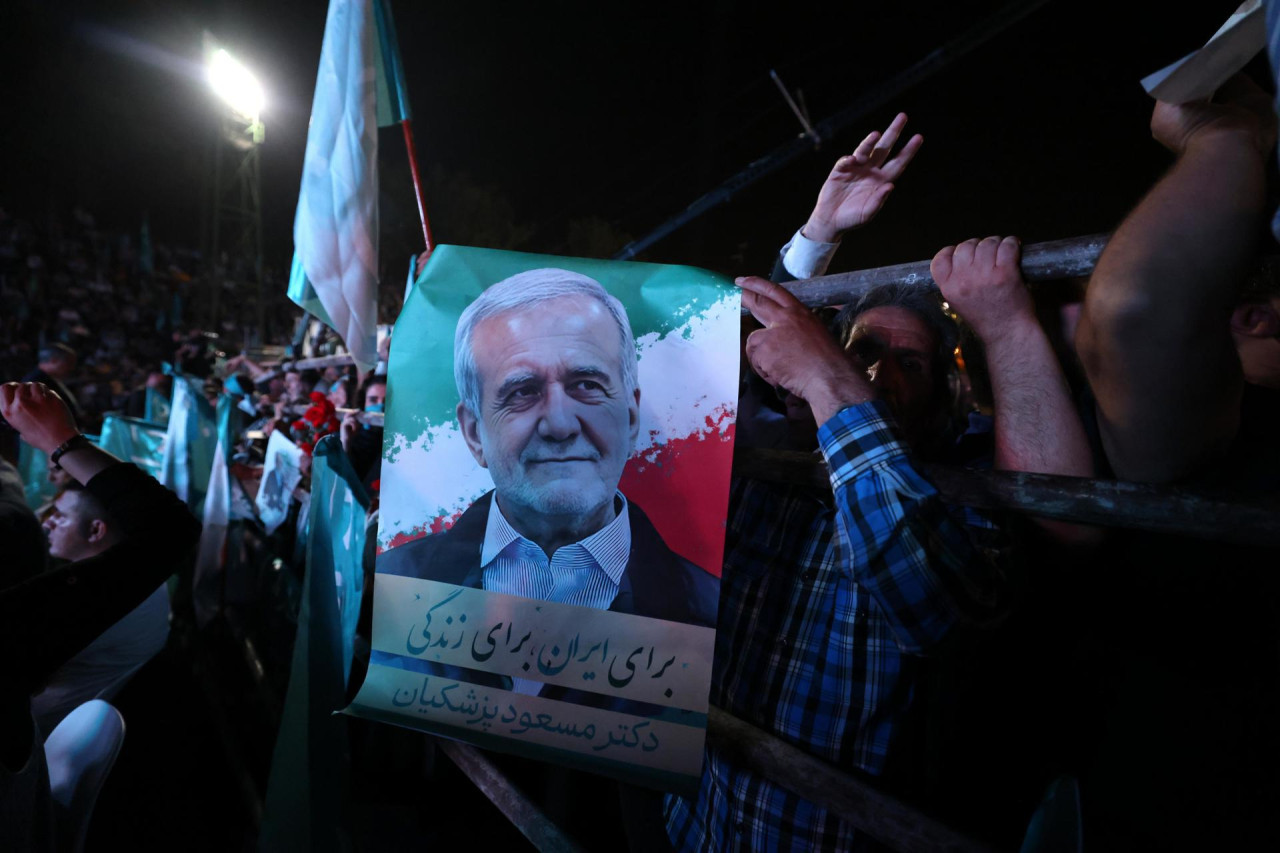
(373, 393)
(80, 525)
(57, 475)
(905, 342)
(547, 375)
(158, 381)
(57, 360)
(340, 393)
(293, 385)
(1255, 325)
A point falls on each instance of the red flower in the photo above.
(315, 416)
(328, 406)
(316, 397)
(334, 425)
(298, 424)
(306, 446)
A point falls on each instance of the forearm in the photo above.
(898, 541)
(1037, 428)
(1153, 335)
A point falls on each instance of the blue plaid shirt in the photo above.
(825, 614)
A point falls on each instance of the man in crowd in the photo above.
(546, 369)
(52, 616)
(1185, 366)
(830, 609)
(363, 442)
(79, 528)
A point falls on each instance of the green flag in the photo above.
(157, 407)
(135, 441)
(206, 590)
(189, 443)
(33, 467)
(305, 800)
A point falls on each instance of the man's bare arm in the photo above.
(1153, 336)
(1037, 428)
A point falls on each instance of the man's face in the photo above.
(68, 538)
(293, 385)
(375, 395)
(895, 347)
(556, 424)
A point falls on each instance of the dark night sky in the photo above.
(625, 112)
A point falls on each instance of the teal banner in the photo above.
(33, 467)
(135, 441)
(157, 407)
(189, 444)
(304, 801)
(336, 534)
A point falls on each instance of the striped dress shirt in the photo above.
(825, 614)
(585, 573)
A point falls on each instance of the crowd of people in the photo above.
(964, 660)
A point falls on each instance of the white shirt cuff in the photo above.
(805, 258)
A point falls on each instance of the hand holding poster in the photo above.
(555, 480)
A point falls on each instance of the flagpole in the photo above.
(417, 184)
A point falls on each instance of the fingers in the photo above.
(984, 254)
(963, 256)
(1009, 252)
(881, 151)
(988, 254)
(941, 265)
(862, 154)
(895, 167)
(767, 302)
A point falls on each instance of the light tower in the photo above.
(234, 207)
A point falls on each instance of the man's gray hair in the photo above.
(524, 290)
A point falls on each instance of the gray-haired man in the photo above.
(546, 369)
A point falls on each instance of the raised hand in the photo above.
(982, 281)
(350, 425)
(795, 351)
(860, 182)
(38, 414)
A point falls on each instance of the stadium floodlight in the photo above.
(235, 84)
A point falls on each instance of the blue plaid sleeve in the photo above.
(899, 541)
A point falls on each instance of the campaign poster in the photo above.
(557, 451)
(281, 473)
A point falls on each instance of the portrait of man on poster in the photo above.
(549, 403)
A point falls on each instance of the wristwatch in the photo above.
(76, 442)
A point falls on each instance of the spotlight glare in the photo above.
(235, 85)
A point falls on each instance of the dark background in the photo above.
(574, 127)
